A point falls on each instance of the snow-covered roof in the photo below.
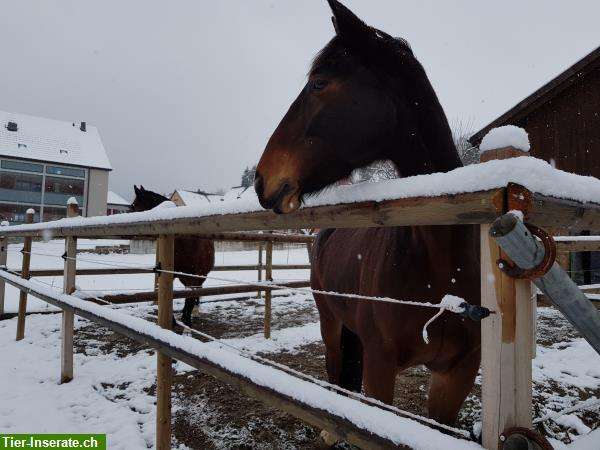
(239, 192)
(115, 199)
(195, 199)
(51, 140)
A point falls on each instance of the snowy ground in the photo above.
(113, 389)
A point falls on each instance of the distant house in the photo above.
(182, 197)
(43, 162)
(562, 119)
(115, 204)
(239, 192)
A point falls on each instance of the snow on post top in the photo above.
(506, 136)
(30, 211)
(72, 201)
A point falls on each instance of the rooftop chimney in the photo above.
(12, 126)
(83, 127)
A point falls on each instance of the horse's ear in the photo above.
(135, 188)
(142, 188)
(348, 26)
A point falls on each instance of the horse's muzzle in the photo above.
(286, 198)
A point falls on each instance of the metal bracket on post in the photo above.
(520, 245)
(517, 438)
(544, 265)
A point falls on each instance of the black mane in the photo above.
(381, 52)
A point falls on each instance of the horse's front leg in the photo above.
(379, 373)
(186, 312)
(196, 308)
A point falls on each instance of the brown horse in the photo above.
(192, 254)
(367, 98)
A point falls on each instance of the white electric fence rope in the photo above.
(267, 284)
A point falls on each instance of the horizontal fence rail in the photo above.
(467, 208)
(575, 245)
(135, 270)
(191, 293)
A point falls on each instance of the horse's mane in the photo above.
(382, 52)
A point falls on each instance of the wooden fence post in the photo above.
(268, 277)
(309, 245)
(24, 274)
(156, 263)
(164, 377)
(68, 318)
(3, 259)
(260, 263)
(506, 339)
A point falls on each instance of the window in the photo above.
(25, 167)
(58, 190)
(65, 171)
(43, 187)
(15, 214)
(20, 187)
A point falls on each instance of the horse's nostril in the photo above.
(259, 185)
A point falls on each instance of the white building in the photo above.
(115, 204)
(181, 197)
(43, 162)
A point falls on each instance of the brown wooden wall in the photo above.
(566, 128)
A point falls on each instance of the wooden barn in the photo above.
(562, 118)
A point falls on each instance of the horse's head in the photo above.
(367, 98)
(145, 200)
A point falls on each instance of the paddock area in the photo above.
(208, 413)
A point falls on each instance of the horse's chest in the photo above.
(386, 262)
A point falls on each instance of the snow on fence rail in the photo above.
(475, 194)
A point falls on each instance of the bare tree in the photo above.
(386, 170)
(461, 131)
(376, 171)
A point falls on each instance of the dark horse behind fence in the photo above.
(367, 98)
(192, 254)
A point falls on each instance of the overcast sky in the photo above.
(185, 94)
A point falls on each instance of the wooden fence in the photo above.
(507, 337)
(152, 295)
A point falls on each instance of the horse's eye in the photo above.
(319, 84)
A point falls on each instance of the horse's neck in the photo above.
(441, 251)
(430, 148)
(425, 235)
